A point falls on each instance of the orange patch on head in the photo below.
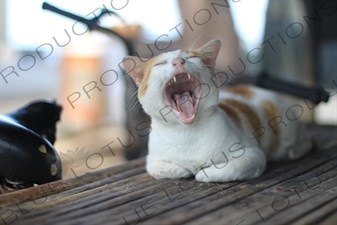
(271, 111)
(143, 85)
(192, 52)
(230, 112)
(243, 90)
(147, 71)
(195, 53)
(247, 112)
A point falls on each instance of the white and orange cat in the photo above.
(202, 131)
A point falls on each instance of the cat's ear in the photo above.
(209, 52)
(134, 67)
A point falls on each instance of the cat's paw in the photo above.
(214, 173)
(249, 166)
(201, 176)
(162, 169)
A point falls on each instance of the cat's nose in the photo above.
(178, 62)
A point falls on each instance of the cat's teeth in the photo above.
(189, 76)
(175, 79)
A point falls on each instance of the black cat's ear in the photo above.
(134, 67)
(209, 52)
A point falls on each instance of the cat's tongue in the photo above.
(185, 106)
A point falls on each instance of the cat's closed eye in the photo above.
(160, 63)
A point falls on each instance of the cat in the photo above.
(202, 131)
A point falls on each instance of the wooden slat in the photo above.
(330, 220)
(126, 210)
(319, 215)
(248, 188)
(144, 193)
(141, 200)
(45, 199)
(304, 208)
(62, 185)
(125, 193)
(250, 208)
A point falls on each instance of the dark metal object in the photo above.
(92, 24)
(27, 155)
(314, 94)
(10, 184)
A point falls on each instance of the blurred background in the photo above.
(45, 55)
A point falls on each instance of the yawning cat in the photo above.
(202, 131)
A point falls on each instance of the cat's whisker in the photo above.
(133, 95)
(135, 105)
(234, 82)
(189, 42)
(130, 106)
(132, 101)
(202, 34)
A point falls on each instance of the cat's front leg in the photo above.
(250, 165)
(162, 169)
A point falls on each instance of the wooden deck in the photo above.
(301, 192)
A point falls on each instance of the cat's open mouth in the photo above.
(183, 93)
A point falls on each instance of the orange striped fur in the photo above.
(147, 66)
(246, 112)
(240, 112)
(231, 112)
(242, 90)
